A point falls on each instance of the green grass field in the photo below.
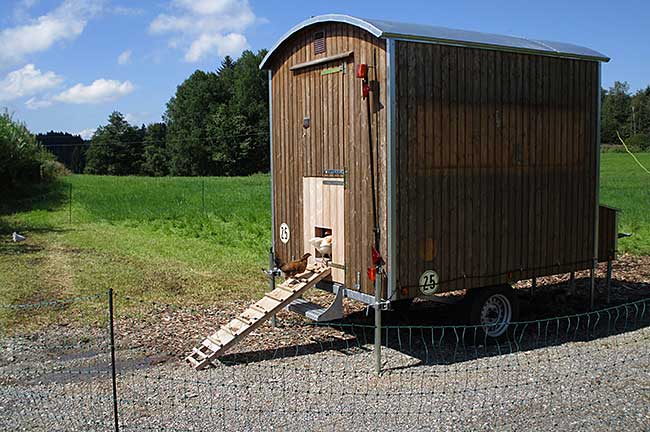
(189, 241)
(184, 241)
(626, 186)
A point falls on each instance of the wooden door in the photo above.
(324, 90)
(324, 213)
(323, 124)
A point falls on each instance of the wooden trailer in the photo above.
(484, 152)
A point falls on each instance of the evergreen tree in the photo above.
(217, 121)
(616, 112)
(116, 148)
(187, 118)
(67, 148)
(156, 158)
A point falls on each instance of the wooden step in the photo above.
(278, 295)
(245, 321)
(259, 309)
(268, 304)
(199, 353)
(252, 314)
(211, 344)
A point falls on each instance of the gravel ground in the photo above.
(577, 385)
(590, 372)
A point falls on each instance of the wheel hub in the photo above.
(496, 315)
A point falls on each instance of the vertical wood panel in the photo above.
(498, 166)
(461, 162)
(335, 139)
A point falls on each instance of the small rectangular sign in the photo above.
(332, 70)
(334, 172)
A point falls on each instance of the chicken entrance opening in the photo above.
(322, 243)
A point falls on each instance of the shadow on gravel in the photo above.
(434, 333)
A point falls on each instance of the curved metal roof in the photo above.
(422, 32)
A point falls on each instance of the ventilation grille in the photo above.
(319, 42)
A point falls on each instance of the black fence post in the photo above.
(113, 369)
(70, 205)
(203, 194)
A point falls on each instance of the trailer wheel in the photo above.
(493, 308)
(401, 306)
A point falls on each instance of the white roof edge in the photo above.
(320, 19)
(388, 29)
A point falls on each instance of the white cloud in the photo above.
(86, 133)
(206, 27)
(126, 11)
(101, 90)
(34, 103)
(22, 8)
(137, 118)
(66, 22)
(27, 81)
(124, 57)
(230, 44)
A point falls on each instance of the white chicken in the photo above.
(322, 244)
(17, 238)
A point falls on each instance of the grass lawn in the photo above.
(188, 241)
(624, 185)
(184, 241)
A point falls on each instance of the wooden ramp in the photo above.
(253, 317)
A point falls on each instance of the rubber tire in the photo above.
(477, 298)
(402, 306)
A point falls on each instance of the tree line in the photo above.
(24, 162)
(626, 113)
(217, 124)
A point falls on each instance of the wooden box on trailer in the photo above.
(485, 151)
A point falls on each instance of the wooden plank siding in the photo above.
(607, 233)
(496, 165)
(336, 139)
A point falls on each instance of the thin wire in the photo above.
(88, 143)
(631, 154)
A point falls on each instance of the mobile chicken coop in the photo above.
(486, 154)
(471, 160)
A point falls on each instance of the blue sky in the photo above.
(66, 64)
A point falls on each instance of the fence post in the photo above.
(274, 321)
(378, 322)
(533, 286)
(70, 205)
(609, 279)
(113, 369)
(203, 194)
(592, 290)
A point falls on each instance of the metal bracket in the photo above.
(383, 306)
(274, 272)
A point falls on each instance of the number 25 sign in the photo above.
(429, 282)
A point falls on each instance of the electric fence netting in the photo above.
(55, 372)
(581, 371)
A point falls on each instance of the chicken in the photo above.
(322, 244)
(294, 267)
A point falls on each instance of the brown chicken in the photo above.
(294, 267)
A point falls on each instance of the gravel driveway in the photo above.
(61, 381)
(587, 372)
